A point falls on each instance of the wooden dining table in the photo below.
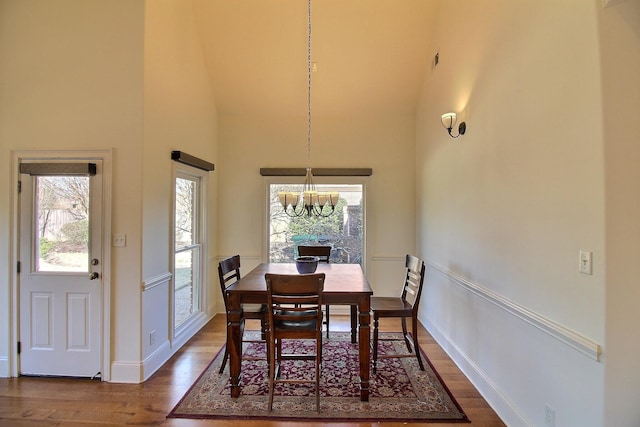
(344, 284)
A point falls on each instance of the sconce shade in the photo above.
(449, 120)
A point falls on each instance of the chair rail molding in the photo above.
(571, 338)
(152, 282)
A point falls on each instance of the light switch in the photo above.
(585, 260)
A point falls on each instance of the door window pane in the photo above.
(62, 224)
(343, 230)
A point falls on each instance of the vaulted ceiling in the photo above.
(371, 55)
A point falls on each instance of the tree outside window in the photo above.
(343, 230)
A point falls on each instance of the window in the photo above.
(188, 248)
(343, 230)
(62, 223)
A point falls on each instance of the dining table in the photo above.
(345, 284)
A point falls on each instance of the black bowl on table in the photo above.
(307, 264)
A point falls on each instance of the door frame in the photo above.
(106, 157)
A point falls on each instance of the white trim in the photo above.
(571, 338)
(106, 156)
(129, 372)
(176, 335)
(500, 402)
(389, 258)
(156, 359)
(156, 281)
(4, 367)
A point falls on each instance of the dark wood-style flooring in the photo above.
(26, 402)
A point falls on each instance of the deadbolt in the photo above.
(95, 261)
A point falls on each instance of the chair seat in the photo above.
(309, 325)
(289, 322)
(389, 306)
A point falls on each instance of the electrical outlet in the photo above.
(120, 240)
(585, 259)
(549, 416)
(152, 337)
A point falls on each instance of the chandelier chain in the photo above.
(309, 84)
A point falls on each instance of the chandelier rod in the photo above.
(309, 84)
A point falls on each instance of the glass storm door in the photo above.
(60, 269)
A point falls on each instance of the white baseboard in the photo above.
(155, 361)
(500, 403)
(136, 372)
(4, 367)
(129, 372)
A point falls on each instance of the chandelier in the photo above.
(310, 201)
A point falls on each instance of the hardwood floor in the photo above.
(26, 402)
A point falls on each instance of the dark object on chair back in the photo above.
(294, 312)
(406, 306)
(229, 273)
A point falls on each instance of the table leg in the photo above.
(235, 326)
(354, 323)
(364, 317)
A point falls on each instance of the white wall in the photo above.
(505, 209)
(619, 39)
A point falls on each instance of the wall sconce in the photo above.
(449, 121)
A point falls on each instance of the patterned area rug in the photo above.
(399, 391)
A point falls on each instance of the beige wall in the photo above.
(549, 91)
(126, 76)
(383, 143)
(179, 114)
(71, 78)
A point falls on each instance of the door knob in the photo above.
(93, 276)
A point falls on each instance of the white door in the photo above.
(60, 275)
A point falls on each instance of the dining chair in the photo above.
(323, 252)
(301, 294)
(405, 306)
(229, 273)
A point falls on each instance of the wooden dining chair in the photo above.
(294, 304)
(323, 252)
(405, 306)
(229, 273)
